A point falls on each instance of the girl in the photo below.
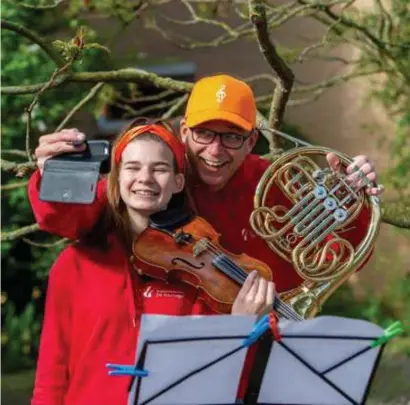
(95, 297)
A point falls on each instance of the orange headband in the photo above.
(175, 145)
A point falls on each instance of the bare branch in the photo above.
(15, 152)
(93, 92)
(20, 169)
(361, 33)
(153, 97)
(277, 17)
(13, 186)
(197, 19)
(31, 35)
(318, 88)
(132, 112)
(339, 59)
(45, 245)
(320, 44)
(179, 103)
(330, 82)
(285, 75)
(386, 23)
(149, 108)
(18, 233)
(302, 101)
(49, 84)
(261, 76)
(347, 22)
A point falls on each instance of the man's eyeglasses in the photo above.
(229, 140)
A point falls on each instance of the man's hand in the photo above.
(254, 296)
(65, 141)
(361, 173)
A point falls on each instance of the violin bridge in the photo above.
(200, 247)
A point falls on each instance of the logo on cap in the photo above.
(221, 94)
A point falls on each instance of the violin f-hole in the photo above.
(179, 259)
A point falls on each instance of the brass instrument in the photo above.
(308, 232)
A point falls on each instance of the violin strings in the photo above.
(237, 273)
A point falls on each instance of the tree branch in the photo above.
(135, 113)
(113, 76)
(20, 169)
(31, 35)
(48, 7)
(145, 99)
(285, 75)
(12, 235)
(13, 186)
(179, 103)
(15, 152)
(45, 245)
(93, 92)
(397, 213)
(59, 71)
(31, 88)
(347, 22)
(197, 19)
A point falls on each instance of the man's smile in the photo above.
(214, 164)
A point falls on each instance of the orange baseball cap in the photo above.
(224, 98)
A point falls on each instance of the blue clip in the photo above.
(258, 330)
(122, 369)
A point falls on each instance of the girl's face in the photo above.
(147, 177)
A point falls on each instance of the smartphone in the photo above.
(73, 177)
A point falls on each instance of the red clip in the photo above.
(273, 323)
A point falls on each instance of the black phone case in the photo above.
(73, 177)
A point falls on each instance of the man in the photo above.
(219, 130)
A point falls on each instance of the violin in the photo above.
(179, 246)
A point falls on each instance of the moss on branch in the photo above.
(397, 213)
(113, 76)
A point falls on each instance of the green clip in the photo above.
(393, 330)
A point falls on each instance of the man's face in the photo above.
(216, 163)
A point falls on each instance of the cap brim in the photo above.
(192, 120)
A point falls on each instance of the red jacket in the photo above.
(92, 317)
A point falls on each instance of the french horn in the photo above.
(308, 230)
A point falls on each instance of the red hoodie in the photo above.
(92, 317)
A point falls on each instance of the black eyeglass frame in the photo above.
(220, 134)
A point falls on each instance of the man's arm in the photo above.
(67, 220)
